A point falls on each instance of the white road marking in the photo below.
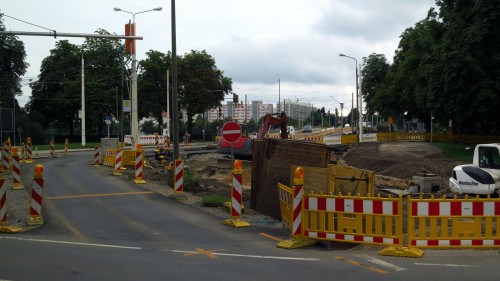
(246, 256)
(381, 262)
(73, 243)
(445, 264)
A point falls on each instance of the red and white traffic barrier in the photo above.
(3, 201)
(236, 190)
(179, 176)
(166, 141)
(118, 162)
(52, 148)
(236, 197)
(298, 183)
(97, 156)
(139, 164)
(29, 151)
(5, 157)
(16, 170)
(35, 213)
(157, 142)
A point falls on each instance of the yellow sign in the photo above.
(389, 120)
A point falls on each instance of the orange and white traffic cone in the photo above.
(139, 164)
(35, 212)
(16, 170)
(236, 197)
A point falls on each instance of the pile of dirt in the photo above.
(401, 160)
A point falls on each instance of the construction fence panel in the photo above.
(454, 223)
(129, 158)
(109, 157)
(354, 219)
(286, 205)
(349, 139)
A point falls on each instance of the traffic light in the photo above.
(235, 98)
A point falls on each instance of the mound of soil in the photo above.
(401, 159)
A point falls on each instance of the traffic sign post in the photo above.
(231, 132)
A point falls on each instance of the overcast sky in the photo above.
(256, 43)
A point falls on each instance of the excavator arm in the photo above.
(269, 120)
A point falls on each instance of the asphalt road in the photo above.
(101, 227)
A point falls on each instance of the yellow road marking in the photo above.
(200, 251)
(98, 195)
(356, 263)
(270, 236)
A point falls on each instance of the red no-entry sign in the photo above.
(231, 131)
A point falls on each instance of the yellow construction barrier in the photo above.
(454, 223)
(286, 205)
(356, 219)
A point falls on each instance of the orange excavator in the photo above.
(243, 146)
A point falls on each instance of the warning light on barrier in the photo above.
(14, 149)
(237, 165)
(299, 176)
(38, 169)
(139, 146)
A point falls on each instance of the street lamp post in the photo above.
(341, 116)
(358, 125)
(134, 124)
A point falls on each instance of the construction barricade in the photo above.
(237, 197)
(179, 176)
(16, 170)
(342, 218)
(471, 222)
(52, 148)
(4, 209)
(35, 212)
(139, 165)
(29, 151)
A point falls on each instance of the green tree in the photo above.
(201, 85)
(152, 84)
(12, 67)
(56, 93)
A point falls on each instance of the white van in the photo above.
(290, 130)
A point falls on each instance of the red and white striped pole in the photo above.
(179, 176)
(35, 212)
(118, 162)
(139, 164)
(16, 170)
(97, 156)
(157, 143)
(298, 183)
(166, 141)
(52, 148)
(29, 151)
(236, 190)
(236, 197)
(5, 157)
(3, 201)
